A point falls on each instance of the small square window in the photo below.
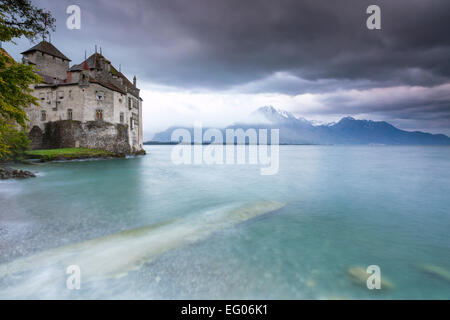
(100, 95)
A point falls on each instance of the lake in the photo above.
(342, 207)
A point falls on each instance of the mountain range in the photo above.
(348, 131)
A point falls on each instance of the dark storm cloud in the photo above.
(282, 46)
(409, 107)
(224, 43)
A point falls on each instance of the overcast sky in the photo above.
(218, 60)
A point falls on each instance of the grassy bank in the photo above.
(69, 154)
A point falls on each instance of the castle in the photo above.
(91, 104)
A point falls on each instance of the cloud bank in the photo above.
(315, 58)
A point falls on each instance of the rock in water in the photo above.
(11, 173)
(435, 271)
(359, 276)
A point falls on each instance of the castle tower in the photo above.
(48, 59)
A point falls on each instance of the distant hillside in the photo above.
(348, 131)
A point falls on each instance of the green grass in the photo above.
(67, 154)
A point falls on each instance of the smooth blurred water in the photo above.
(345, 207)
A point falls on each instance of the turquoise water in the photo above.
(344, 207)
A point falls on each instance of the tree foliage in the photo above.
(18, 18)
(13, 142)
(15, 93)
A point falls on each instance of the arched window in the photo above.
(43, 115)
(98, 114)
(69, 114)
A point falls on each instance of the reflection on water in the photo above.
(346, 208)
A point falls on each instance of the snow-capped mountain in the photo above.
(296, 130)
(280, 116)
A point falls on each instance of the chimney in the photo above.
(134, 81)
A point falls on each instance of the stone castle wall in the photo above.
(83, 103)
(73, 105)
(49, 65)
(71, 134)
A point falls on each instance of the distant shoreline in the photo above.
(156, 143)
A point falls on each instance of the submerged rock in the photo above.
(140, 153)
(435, 271)
(11, 173)
(359, 275)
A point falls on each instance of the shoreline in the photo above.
(69, 154)
(34, 157)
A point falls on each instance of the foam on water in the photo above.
(116, 255)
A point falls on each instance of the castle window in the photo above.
(131, 123)
(98, 115)
(122, 118)
(60, 95)
(129, 103)
(69, 114)
(100, 95)
(43, 115)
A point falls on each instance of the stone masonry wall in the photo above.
(92, 134)
(49, 65)
(83, 103)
